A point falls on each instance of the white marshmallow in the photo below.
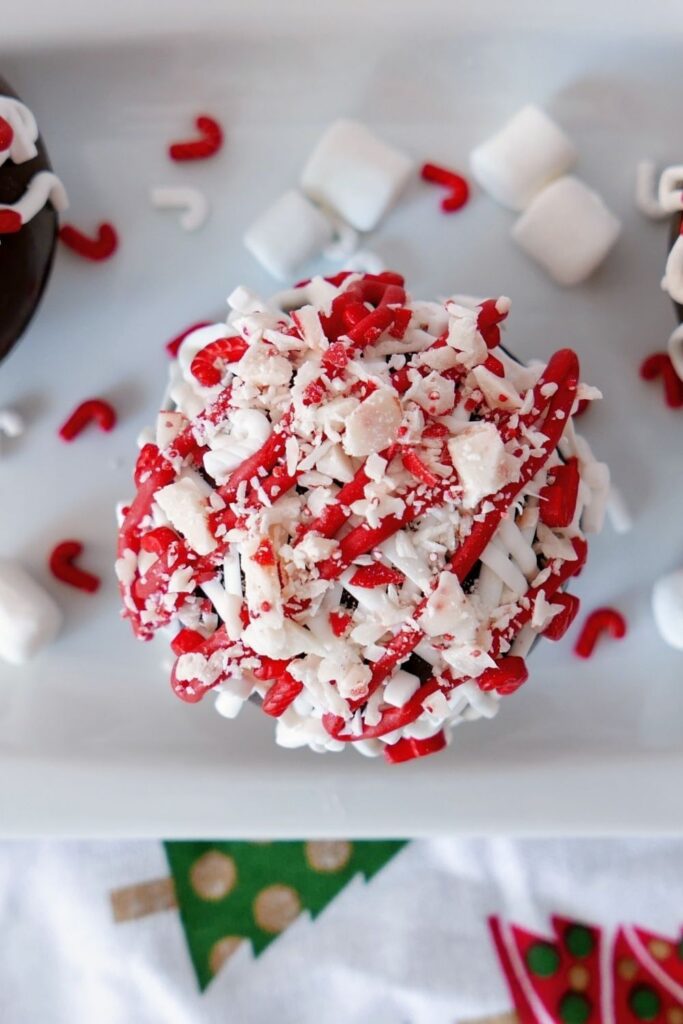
(29, 618)
(288, 234)
(355, 174)
(527, 153)
(667, 607)
(568, 230)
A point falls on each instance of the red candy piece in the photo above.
(264, 554)
(210, 141)
(581, 407)
(6, 134)
(602, 620)
(63, 568)
(186, 641)
(416, 467)
(281, 694)
(92, 410)
(174, 344)
(376, 575)
(488, 320)
(508, 676)
(561, 621)
(407, 749)
(206, 365)
(459, 190)
(10, 222)
(339, 622)
(270, 668)
(659, 365)
(95, 249)
(558, 498)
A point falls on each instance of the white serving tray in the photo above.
(91, 739)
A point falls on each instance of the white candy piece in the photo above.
(670, 192)
(11, 423)
(355, 174)
(568, 230)
(647, 199)
(288, 234)
(29, 618)
(192, 203)
(527, 154)
(676, 350)
(667, 607)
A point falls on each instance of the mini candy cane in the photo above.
(670, 191)
(647, 199)
(617, 511)
(672, 282)
(11, 423)
(190, 201)
(92, 410)
(208, 144)
(45, 186)
(458, 189)
(62, 567)
(602, 620)
(99, 248)
(659, 364)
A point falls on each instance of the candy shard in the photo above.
(568, 230)
(528, 152)
(356, 174)
(29, 618)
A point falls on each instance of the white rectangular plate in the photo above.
(91, 739)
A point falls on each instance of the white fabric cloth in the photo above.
(410, 947)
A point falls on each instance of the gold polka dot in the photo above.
(276, 907)
(660, 949)
(213, 876)
(579, 978)
(222, 950)
(627, 969)
(328, 856)
(674, 1015)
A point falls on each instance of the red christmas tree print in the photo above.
(582, 976)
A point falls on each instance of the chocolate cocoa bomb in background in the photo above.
(26, 255)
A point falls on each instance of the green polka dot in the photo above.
(542, 959)
(579, 940)
(644, 1002)
(574, 1008)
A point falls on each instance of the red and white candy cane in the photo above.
(458, 188)
(208, 143)
(599, 622)
(93, 410)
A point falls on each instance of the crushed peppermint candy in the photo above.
(361, 509)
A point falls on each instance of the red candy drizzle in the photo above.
(209, 142)
(102, 247)
(93, 410)
(62, 566)
(600, 621)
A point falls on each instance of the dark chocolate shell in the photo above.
(26, 256)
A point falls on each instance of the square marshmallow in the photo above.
(29, 618)
(525, 155)
(568, 230)
(355, 174)
(290, 233)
